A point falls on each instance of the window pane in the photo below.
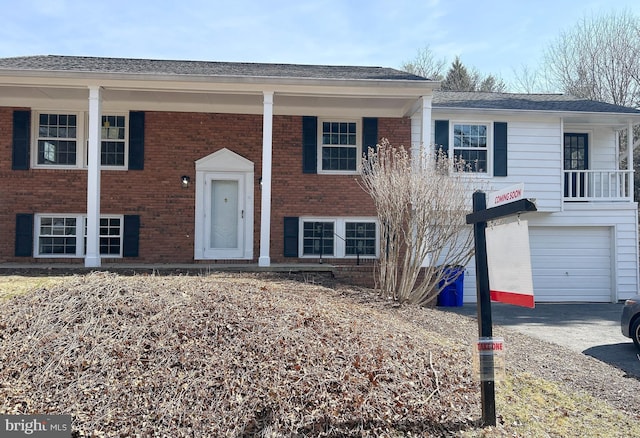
(339, 158)
(112, 151)
(318, 238)
(339, 133)
(57, 236)
(475, 160)
(110, 236)
(57, 139)
(360, 238)
(470, 145)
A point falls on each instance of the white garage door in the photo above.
(571, 263)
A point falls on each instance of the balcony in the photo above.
(598, 185)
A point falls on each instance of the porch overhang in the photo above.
(244, 95)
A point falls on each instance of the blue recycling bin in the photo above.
(452, 294)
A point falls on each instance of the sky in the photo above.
(493, 36)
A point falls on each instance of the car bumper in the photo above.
(625, 320)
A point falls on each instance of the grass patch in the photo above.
(530, 406)
(12, 285)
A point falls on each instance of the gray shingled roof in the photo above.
(441, 99)
(85, 64)
(523, 102)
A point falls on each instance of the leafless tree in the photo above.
(421, 203)
(598, 59)
(426, 65)
(529, 80)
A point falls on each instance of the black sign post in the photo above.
(479, 218)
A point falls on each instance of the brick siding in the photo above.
(173, 142)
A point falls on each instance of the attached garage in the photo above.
(571, 263)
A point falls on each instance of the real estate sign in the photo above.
(509, 263)
(506, 195)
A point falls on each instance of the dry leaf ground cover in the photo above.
(256, 355)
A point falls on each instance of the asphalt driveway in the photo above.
(592, 329)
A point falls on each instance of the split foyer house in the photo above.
(147, 161)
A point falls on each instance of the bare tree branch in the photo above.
(599, 59)
(425, 64)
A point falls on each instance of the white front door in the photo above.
(224, 215)
(225, 188)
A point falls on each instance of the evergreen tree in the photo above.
(458, 78)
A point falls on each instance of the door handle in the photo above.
(242, 214)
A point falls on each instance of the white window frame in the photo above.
(301, 237)
(357, 146)
(376, 242)
(82, 141)
(124, 166)
(80, 235)
(452, 148)
(35, 135)
(339, 238)
(119, 236)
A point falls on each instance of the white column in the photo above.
(265, 210)
(426, 121)
(421, 150)
(630, 159)
(92, 258)
(421, 128)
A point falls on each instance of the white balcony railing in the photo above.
(598, 185)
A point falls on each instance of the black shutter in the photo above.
(499, 149)
(441, 135)
(309, 144)
(136, 140)
(24, 235)
(131, 236)
(369, 135)
(21, 140)
(291, 236)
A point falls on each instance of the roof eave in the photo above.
(562, 114)
(85, 77)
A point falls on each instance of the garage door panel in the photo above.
(571, 264)
(572, 271)
(577, 283)
(573, 252)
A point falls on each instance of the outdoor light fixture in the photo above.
(185, 180)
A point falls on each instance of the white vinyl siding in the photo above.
(534, 158)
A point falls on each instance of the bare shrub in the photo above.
(421, 203)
